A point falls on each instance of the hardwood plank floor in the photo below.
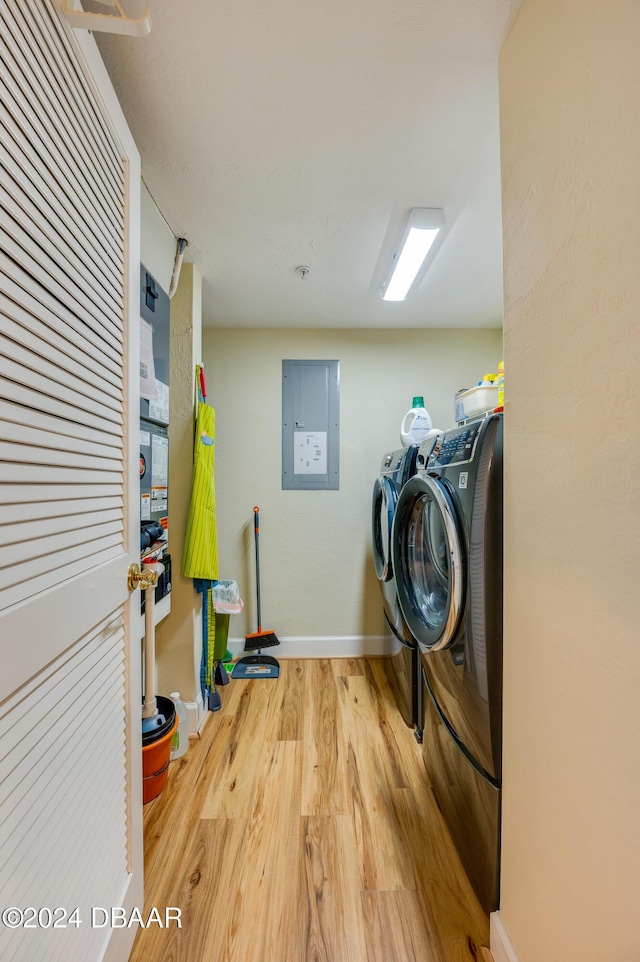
(301, 827)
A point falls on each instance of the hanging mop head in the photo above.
(258, 666)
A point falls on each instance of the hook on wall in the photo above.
(117, 22)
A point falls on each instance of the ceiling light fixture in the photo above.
(421, 231)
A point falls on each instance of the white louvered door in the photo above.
(70, 752)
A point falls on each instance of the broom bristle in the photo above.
(260, 639)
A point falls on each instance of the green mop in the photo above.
(200, 553)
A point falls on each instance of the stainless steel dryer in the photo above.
(402, 668)
(447, 558)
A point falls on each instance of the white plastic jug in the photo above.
(180, 738)
(416, 424)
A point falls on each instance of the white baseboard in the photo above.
(348, 646)
(197, 714)
(501, 945)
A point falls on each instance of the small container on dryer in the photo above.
(500, 384)
(476, 401)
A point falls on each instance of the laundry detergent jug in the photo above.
(416, 424)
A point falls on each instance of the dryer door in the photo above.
(428, 561)
(382, 511)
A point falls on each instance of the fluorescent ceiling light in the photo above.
(421, 231)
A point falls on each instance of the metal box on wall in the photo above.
(154, 472)
(155, 311)
(310, 425)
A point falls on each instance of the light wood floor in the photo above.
(301, 828)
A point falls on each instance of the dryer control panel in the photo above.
(455, 447)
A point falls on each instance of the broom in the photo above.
(263, 666)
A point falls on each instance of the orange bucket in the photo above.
(155, 765)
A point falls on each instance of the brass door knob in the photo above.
(140, 579)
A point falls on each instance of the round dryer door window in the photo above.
(428, 562)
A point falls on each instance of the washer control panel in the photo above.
(455, 447)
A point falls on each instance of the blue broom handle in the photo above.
(256, 531)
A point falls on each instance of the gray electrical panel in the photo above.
(311, 425)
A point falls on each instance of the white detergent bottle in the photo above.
(180, 737)
(416, 424)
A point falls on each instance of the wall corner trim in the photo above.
(501, 945)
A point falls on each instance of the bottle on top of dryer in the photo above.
(416, 424)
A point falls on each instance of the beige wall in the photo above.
(157, 243)
(179, 636)
(570, 127)
(317, 572)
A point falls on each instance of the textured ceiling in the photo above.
(281, 133)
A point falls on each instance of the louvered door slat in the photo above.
(33, 184)
(88, 646)
(49, 247)
(29, 757)
(66, 390)
(21, 144)
(31, 821)
(56, 193)
(55, 821)
(12, 516)
(54, 232)
(25, 579)
(78, 330)
(21, 346)
(45, 431)
(13, 106)
(35, 828)
(25, 328)
(18, 532)
(59, 445)
(74, 83)
(37, 497)
(33, 473)
(80, 849)
(70, 820)
(29, 397)
(49, 77)
(42, 264)
(19, 556)
(23, 453)
(32, 110)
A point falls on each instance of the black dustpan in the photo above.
(256, 666)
